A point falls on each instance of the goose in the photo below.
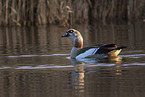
(93, 51)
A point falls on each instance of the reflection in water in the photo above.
(115, 60)
(80, 81)
(79, 76)
(23, 41)
(41, 40)
(33, 62)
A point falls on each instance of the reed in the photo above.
(69, 12)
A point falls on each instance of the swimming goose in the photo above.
(94, 51)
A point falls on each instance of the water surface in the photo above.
(35, 62)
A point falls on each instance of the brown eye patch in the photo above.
(70, 31)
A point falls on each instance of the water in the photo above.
(35, 62)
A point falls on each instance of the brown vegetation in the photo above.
(67, 12)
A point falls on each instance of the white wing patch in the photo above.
(96, 49)
(87, 53)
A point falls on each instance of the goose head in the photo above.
(76, 36)
(72, 33)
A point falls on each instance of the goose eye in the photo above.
(70, 31)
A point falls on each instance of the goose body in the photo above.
(94, 51)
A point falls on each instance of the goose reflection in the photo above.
(116, 60)
(80, 74)
(79, 80)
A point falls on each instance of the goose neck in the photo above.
(78, 42)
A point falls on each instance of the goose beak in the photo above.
(65, 35)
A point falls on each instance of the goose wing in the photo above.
(107, 48)
(92, 48)
(100, 49)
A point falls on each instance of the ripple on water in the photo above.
(133, 55)
(52, 66)
(38, 55)
(37, 67)
(71, 66)
(134, 64)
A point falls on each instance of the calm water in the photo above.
(34, 62)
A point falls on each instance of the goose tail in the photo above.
(116, 51)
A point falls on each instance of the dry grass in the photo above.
(68, 12)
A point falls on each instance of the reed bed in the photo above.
(68, 12)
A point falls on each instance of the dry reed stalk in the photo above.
(68, 12)
(24, 11)
(13, 11)
(80, 9)
(6, 9)
(31, 11)
(41, 13)
(1, 18)
(58, 12)
(19, 9)
(134, 9)
(130, 9)
(112, 10)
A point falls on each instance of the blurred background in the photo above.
(34, 59)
